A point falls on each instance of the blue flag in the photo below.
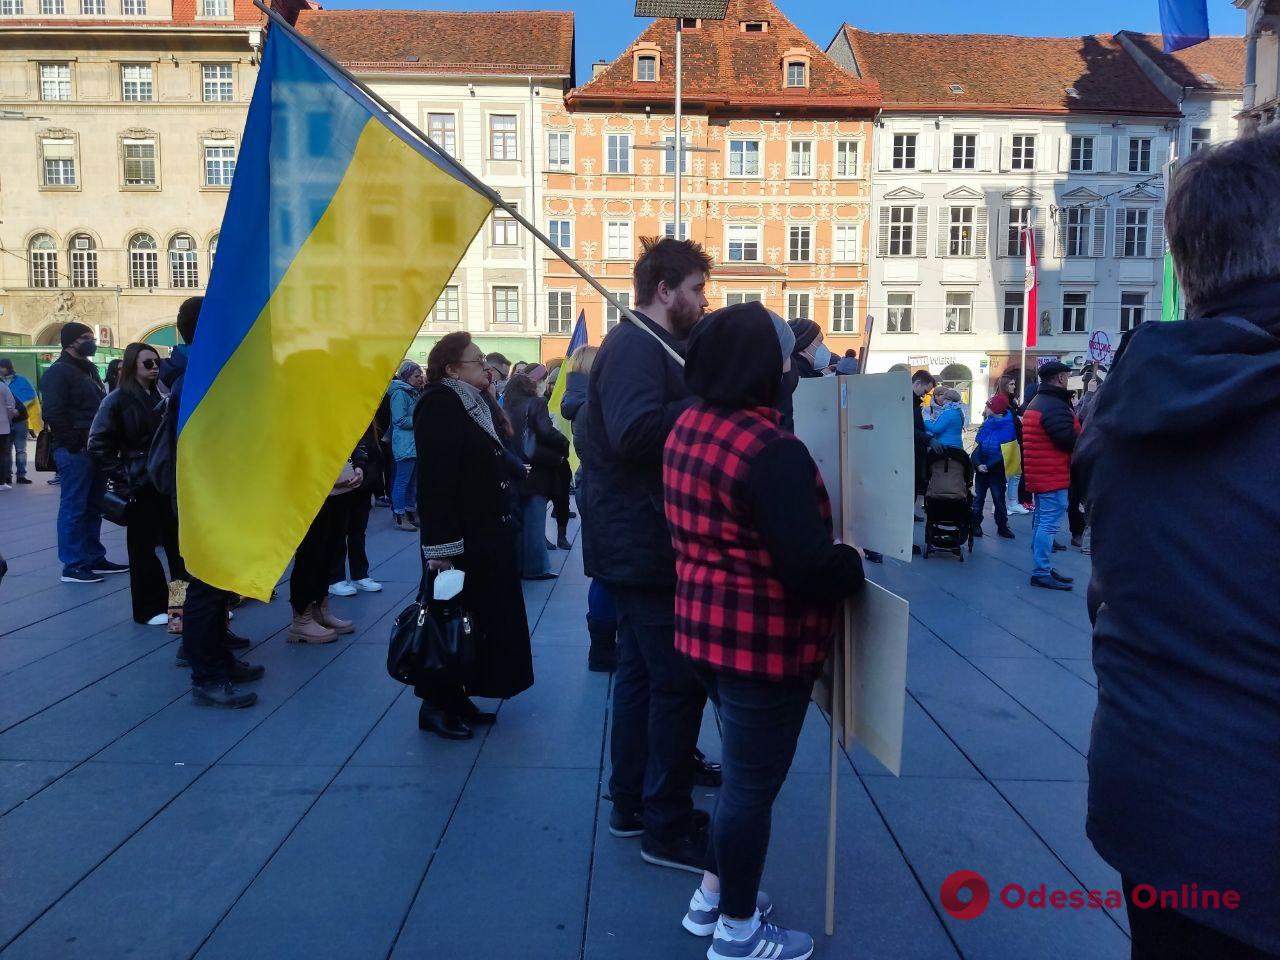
(579, 338)
(1184, 23)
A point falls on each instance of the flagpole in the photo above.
(474, 181)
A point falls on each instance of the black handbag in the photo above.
(44, 451)
(431, 636)
(115, 505)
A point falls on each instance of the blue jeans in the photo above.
(79, 510)
(1050, 508)
(404, 488)
(18, 437)
(600, 606)
(533, 538)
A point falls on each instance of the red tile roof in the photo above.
(1002, 74)
(1215, 64)
(722, 64)
(517, 42)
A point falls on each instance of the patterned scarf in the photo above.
(476, 408)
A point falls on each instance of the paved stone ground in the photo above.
(321, 823)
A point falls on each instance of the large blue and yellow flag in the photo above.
(340, 232)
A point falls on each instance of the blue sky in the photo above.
(605, 28)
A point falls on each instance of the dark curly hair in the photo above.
(448, 351)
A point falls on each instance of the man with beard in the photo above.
(634, 396)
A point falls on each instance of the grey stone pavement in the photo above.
(321, 823)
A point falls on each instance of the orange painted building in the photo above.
(777, 172)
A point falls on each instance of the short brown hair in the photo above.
(448, 351)
(923, 376)
(667, 261)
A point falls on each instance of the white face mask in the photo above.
(821, 357)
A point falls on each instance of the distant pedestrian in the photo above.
(113, 374)
(349, 572)
(921, 383)
(404, 392)
(1049, 431)
(810, 357)
(8, 422)
(543, 448)
(23, 393)
(988, 461)
(501, 368)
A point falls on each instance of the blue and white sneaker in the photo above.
(702, 916)
(769, 942)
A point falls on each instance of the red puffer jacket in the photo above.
(1049, 431)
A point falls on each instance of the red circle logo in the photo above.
(970, 882)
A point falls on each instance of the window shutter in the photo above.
(1045, 156)
(946, 144)
(926, 144)
(944, 229)
(1060, 234)
(922, 231)
(1119, 231)
(1064, 154)
(1006, 153)
(1102, 154)
(1122, 161)
(1002, 231)
(882, 245)
(980, 231)
(984, 151)
(1037, 230)
(886, 149)
(1156, 249)
(1099, 247)
(1159, 151)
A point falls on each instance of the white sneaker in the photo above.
(6, 486)
(366, 585)
(159, 620)
(1015, 507)
(343, 588)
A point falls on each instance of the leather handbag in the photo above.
(115, 505)
(44, 451)
(431, 636)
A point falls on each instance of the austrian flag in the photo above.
(1032, 282)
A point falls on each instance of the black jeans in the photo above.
(1163, 934)
(657, 712)
(561, 481)
(309, 581)
(151, 524)
(204, 632)
(349, 543)
(6, 452)
(1075, 510)
(994, 481)
(760, 723)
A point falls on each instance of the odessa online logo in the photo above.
(965, 882)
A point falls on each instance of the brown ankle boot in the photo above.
(306, 629)
(331, 620)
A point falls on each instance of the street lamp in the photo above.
(679, 10)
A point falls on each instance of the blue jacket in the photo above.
(948, 427)
(994, 432)
(403, 399)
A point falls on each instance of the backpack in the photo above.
(162, 456)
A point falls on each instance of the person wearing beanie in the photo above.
(988, 460)
(810, 357)
(72, 390)
(1049, 431)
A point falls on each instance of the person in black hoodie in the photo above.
(1175, 464)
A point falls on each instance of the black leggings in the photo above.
(349, 543)
(309, 582)
(151, 524)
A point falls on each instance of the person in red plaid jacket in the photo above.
(759, 585)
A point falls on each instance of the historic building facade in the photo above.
(1261, 109)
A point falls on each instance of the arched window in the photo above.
(84, 261)
(144, 261)
(184, 267)
(43, 255)
(213, 252)
(958, 377)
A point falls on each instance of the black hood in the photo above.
(1192, 376)
(735, 359)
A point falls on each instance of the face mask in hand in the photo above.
(821, 357)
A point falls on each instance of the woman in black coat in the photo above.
(466, 523)
(118, 442)
(544, 448)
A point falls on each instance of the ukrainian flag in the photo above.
(340, 232)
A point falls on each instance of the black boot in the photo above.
(443, 724)
(562, 539)
(603, 655)
(1005, 532)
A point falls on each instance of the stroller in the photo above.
(948, 503)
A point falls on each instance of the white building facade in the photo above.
(1261, 108)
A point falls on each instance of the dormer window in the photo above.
(957, 89)
(690, 23)
(647, 63)
(754, 26)
(795, 68)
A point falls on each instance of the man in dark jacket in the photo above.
(72, 392)
(1049, 431)
(921, 383)
(636, 392)
(1184, 760)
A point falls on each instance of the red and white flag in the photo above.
(1032, 282)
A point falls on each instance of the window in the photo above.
(964, 151)
(800, 163)
(144, 261)
(847, 243)
(1015, 308)
(744, 243)
(798, 306)
(558, 151)
(443, 129)
(52, 7)
(43, 256)
(799, 243)
(93, 8)
(618, 153)
(960, 232)
(55, 81)
(1139, 154)
(219, 163)
(213, 252)
(733, 299)
(139, 163)
(755, 26)
(1075, 312)
(561, 233)
(135, 8)
(617, 240)
(214, 8)
(647, 69)
(502, 139)
(690, 23)
(744, 158)
(959, 312)
(1200, 138)
(1078, 231)
(505, 229)
(217, 82)
(902, 231)
(84, 261)
(559, 311)
(506, 304)
(1133, 309)
(844, 313)
(1020, 220)
(669, 229)
(669, 159)
(59, 163)
(11, 8)
(847, 158)
(904, 151)
(448, 309)
(1136, 230)
(184, 268)
(797, 74)
(1082, 154)
(1023, 155)
(612, 316)
(899, 318)
(135, 82)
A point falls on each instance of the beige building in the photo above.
(119, 129)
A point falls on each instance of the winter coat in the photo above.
(72, 392)
(551, 446)
(1049, 431)
(992, 435)
(575, 395)
(635, 393)
(1177, 464)
(948, 427)
(122, 432)
(8, 412)
(403, 397)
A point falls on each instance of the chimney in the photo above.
(598, 67)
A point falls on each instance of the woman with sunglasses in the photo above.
(118, 441)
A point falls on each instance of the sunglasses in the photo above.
(150, 364)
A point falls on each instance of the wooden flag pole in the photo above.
(837, 694)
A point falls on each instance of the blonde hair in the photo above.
(582, 359)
